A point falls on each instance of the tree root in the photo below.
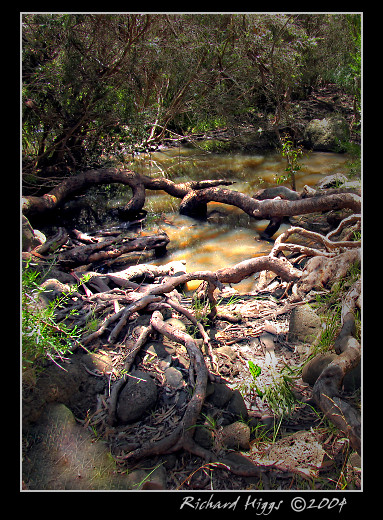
(138, 183)
(326, 388)
(182, 436)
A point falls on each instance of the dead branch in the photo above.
(194, 203)
(280, 243)
(286, 208)
(111, 248)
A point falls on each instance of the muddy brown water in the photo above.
(229, 236)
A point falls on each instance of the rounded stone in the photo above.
(236, 436)
(138, 396)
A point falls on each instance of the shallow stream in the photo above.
(229, 235)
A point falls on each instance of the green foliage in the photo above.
(330, 306)
(292, 155)
(43, 337)
(96, 85)
(278, 394)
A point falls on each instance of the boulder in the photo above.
(237, 405)
(236, 436)
(174, 377)
(137, 397)
(220, 395)
(30, 238)
(326, 134)
(68, 457)
(305, 325)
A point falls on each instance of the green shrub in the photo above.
(43, 337)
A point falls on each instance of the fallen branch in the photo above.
(111, 248)
(194, 203)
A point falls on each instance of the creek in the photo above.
(229, 235)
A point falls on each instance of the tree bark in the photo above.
(194, 202)
(327, 386)
(32, 205)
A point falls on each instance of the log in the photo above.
(194, 202)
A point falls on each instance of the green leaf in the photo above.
(255, 370)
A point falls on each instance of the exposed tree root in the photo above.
(136, 291)
(137, 182)
(327, 386)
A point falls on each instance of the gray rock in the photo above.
(31, 238)
(137, 397)
(332, 181)
(178, 324)
(204, 436)
(326, 134)
(67, 456)
(173, 377)
(236, 436)
(305, 325)
(237, 405)
(221, 394)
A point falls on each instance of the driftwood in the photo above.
(327, 386)
(194, 203)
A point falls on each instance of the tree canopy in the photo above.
(96, 83)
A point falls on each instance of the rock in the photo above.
(71, 386)
(67, 456)
(173, 377)
(160, 350)
(147, 478)
(332, 181)
(326, 134)
(236, 436)
(30, 238)
(204, 436)
(227, 351)
(237, 405)
(178, 324)
(220, 396)
(137, 397)
(305, 325)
